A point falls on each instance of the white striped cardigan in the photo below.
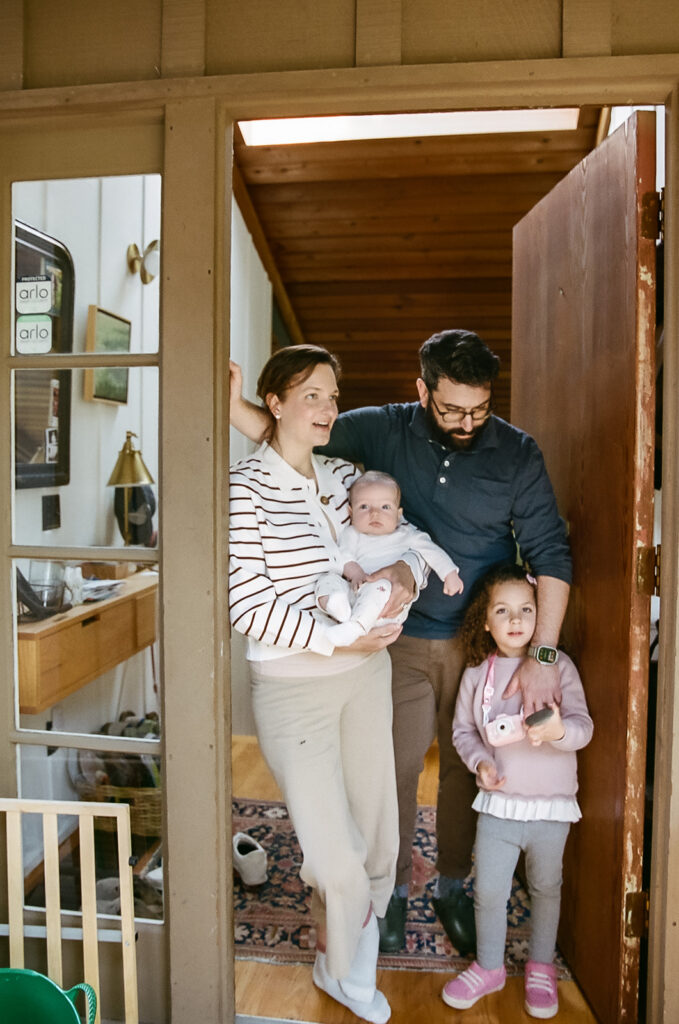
(280, 542)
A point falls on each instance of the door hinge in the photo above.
(648, 571)
(637, 906)
(652, 214)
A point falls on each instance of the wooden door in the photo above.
(583, 343)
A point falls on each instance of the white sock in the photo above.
(362, 977)
(344, 633)
(338, 606)
(377, 1010)
(370, 601)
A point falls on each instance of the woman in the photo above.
(323, 714)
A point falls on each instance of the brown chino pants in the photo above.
(425, 679)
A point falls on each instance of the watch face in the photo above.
(547, 655)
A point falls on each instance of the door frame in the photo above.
(134, 149)
(663, 984)
(585, 234)
(198, 113)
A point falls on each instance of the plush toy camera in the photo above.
(505, 729)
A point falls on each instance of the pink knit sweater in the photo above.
(532, 773)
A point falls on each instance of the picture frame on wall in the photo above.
(107, 333)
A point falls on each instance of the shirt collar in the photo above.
(288, 476)
(488, 438)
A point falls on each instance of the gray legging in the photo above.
(498, 844)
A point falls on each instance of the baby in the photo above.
(376, 538)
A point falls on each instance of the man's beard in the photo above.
(450, 438)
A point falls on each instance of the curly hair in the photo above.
(477, 643)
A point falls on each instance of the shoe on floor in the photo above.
(249, 859)
(541, 997)
(393, 925)
(456, 914)
(470, 986)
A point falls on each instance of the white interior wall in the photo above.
(251, 311)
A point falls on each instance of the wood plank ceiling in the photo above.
(375, 245)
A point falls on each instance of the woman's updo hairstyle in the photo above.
(290, 366)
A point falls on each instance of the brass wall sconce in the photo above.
(147, 264)
(129, 471)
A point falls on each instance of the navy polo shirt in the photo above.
(476, 503)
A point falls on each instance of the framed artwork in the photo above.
(107, 333)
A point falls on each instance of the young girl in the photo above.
(527, 778)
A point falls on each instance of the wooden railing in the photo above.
(54, 930)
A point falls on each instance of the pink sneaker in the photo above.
(542, 999)
(465, 990)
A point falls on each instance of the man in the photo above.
(479, 487)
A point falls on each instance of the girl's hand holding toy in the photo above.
(547, 729)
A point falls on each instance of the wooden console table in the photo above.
(58, 656)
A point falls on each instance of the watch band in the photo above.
(544, 654)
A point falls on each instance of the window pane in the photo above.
(87, 647)
(61, 774)
(84, 245)
(67, 446)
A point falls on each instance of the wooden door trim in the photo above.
(194, 439)
(463, 86)
(663, 983)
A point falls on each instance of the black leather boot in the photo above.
(456, 914)
(393, 925)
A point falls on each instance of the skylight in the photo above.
(291, 130)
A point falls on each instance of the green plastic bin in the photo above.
(27, 997)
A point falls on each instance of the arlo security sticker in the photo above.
(33, 334)
(33, 295)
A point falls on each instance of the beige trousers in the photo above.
(426, 678)
(328, 743)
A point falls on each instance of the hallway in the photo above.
(286, 991)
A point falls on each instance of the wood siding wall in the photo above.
(44, 44)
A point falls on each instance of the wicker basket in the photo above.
(145, 807)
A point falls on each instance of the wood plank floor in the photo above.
(285, 991)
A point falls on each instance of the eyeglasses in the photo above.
(454, 414)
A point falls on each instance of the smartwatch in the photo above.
(543, 653)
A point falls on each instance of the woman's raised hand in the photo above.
(235, 382)
(250, 419)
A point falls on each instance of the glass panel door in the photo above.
(84, 386)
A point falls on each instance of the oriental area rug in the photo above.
(273, 921)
